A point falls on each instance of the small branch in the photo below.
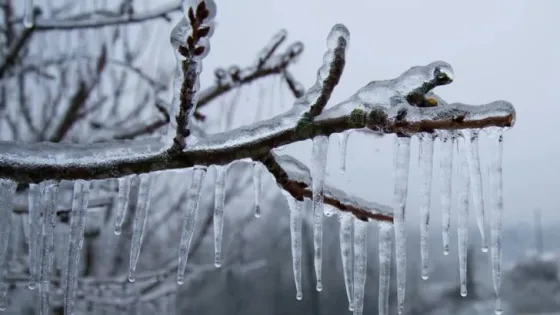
(294, 177)
(294, 86)
(147, 129)
(15, 49)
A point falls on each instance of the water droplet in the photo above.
(485, 249)
(424, 277)
(180, 280)
(131, 278)
(319, 286)
(299, 296)
(446, 252)
(217, 264)
(118, 230)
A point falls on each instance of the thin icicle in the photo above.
(7, 192)
(35, 208)
(446, 170)
(360, 264)
(343, 145)
(122, 202)
(385, 250)
(198, 174)
(426, 166)
(318, 172)
(346, 251)
(402, 164)
(80, 199)
(139, 223)
(295, 235)
(476, 182)
(50, 199)
(497, 203)
(28, 14)
(463, 218)
(219, 199)
(257, 189)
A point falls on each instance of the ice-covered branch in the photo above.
(294, 177)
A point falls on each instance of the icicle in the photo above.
(257, 189)
(80, 199)
(347, 254)
(7, 192)
(497, 203)
(463, 218)
(446, 168)
(219, 199)
(28, 14)
(295, 235)
(385, 250)
(50, 199)
(360, 264)
(139, 224)
(122, 202)
(35, 208)
(198, 174)
(473, 155)
(318, 172)
(426, 166)
(402, 163)
(343, 144)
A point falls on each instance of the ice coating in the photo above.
(296, 218)
(35, 210)
(446, 174)
(343, 144)
(50, 199)
(463, 218)
(426, 166)
(139, 223)
(402, 164)
(80, 199)
(28, 14)
(269, 49)
(257, 189)
(360, 264)
(7, 192)
(346, 235)
(385, 250)
(122, 201)
(198, 174)
(473, 158)
(219, 200)
(318, 172)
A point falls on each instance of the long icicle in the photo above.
(360, 264)
(198, 174)
(296, 217)
(139, 223)
(497, 203)
(35, 209)
(28, 14)
(50, 199)
(318, 172)
(219, 199)
(426, 167)
(7, 193)
(257, 189)
(80, 199)
(346, 235)
(446, 170)
(463, 218)
(343, 145)
(122, 201)
(402, 165)
(385, 251)
(476, 182)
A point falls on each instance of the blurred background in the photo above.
(84, 79)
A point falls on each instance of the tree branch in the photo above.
(15, 49)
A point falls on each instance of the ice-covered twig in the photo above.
(294, 177)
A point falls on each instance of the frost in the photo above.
(463, 217)
(139, 224)
(35, 225)
(198, 174)
(80, 200)
(219, 199)
(426, 157)
(473, 158)
(7, 192)
(50, 199)
(402, 163)
(296, 218)
(446, 173)
(28, 14)
(347, 254)
(318, 172)
(385, 250)
(122, 201)
(257, 189)
(360, 264)
(343, 144)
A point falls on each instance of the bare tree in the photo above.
(67, 154)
